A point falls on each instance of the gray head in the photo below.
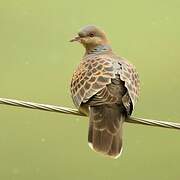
(91, 36)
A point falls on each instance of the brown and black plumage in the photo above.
(106, 88)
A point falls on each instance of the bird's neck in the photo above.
(105, 48)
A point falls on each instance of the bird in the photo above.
(104, 87)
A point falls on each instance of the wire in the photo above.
(66, 110)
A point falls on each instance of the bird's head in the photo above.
(90, 36)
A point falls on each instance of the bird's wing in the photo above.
(91, 76)
(129, 75)
(95, 72)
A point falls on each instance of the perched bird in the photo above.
(105, 87)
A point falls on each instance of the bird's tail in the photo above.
(105, 129)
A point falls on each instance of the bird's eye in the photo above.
(91, 34)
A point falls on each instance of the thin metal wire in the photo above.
(66, 110)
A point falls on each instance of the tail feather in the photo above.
(105, 129)
(101, 140)
(116, 147)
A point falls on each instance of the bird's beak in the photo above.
(77, 38)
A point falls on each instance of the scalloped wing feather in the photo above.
(96, 71)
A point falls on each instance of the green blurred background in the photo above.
(36, 64)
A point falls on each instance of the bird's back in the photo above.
(99, 87)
